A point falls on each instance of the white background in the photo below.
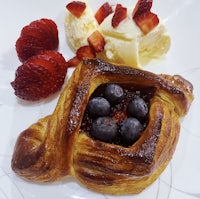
(181, 178)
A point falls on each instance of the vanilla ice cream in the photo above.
(124, 44)
(79, 29)
(127, 44)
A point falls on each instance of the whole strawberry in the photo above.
(38, 36)
(40, 76)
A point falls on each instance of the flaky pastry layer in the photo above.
(55, 146)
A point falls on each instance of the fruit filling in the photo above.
(117, 113)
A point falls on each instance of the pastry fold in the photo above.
(55, 146)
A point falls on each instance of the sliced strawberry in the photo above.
(73, 62)
(60, 65)
(146, 22)
(103, 12)
(47, 32)
(143, 17)
(38, 36)
(85, 52)
(27, 47)
(40, 76)
(30, 81)
(81, 53)
(119, 15)
(76, 8)
(142, 6)
(56, 57)
(53, 30)
(96, 40)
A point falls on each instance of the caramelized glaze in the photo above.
(57, 145)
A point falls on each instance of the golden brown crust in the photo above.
(55, 146)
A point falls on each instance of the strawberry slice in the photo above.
(96, 40)
(59, 63)
(30, 80)
(146, 22)
(142, 6)
(76, 8)
(103, 12)
(27, 47)
(119, 15)
(81, 53)
(73, 62)
(53, 31)
(49, 31)
(57, 58)
(143, 17)
(40, 76)
(85, 52)
(38, 36)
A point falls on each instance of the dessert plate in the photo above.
(180, 180)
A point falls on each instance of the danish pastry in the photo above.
(59, 145)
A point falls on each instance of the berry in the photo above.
(36, 37)
(147, 22)
(103, 12)
(142, 7)
(104, 129)
(119, 15)
(98, 106)
(143, 17)
(130, 130)
(85, 52)
(114, 93)
(76, 8)
(137, 108)
(96, 40)
(73, 62)
(40, 76)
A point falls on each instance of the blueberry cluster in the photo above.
(103, 125)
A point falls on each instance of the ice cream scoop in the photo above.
(126, 43)
(79, 29)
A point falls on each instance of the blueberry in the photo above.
(130, 130)
(137, 108)
(104, 129)
(114, 93)
(98, 106)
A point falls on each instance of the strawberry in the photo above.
(146, 22)
(81, 53)
(119, 15)
(142, 6)
(85, 52)
(40, 76)
(73, 62)
(38, 36)
(96, 40)
(103, 12)
(76, 8)
(143, 17)
(59, 62)
(50, 29)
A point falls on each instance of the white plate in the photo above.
(181, 178)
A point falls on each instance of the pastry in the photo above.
(58, 144)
